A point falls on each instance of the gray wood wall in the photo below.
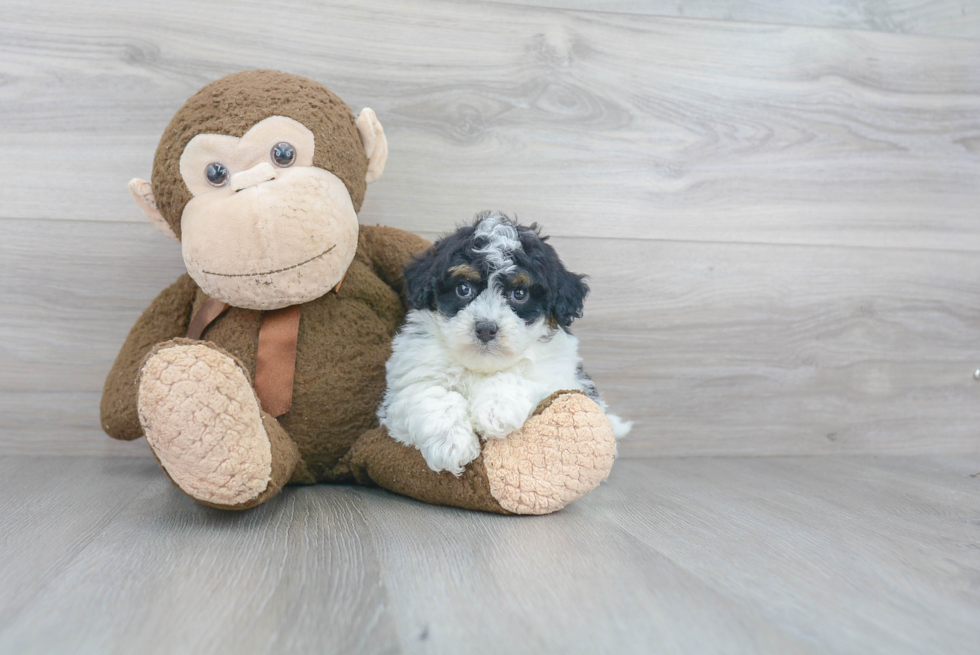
(778, 203)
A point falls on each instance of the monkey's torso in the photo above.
(344, 342)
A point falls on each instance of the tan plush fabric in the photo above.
(285, 458)
(233, 104)
(559, 455)
(314, 232)
(272, 236)
(203, 421)
(142, 192)
(246, 157)
(375, 143)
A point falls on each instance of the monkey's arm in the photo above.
(167, 317)
(388, 249)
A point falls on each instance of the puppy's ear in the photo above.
(421, 276)
(568, 292)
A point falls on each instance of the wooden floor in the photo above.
(688, 555)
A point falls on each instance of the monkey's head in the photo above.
(260, 176)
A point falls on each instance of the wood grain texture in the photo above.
(598, 124)
(712, 348)
(704, 555)
(780, 222)
(925, 17)
(52, 509)
(59, 423)
(183, 578)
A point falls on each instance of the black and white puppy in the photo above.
(484, 342)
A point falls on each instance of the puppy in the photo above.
(486, 339)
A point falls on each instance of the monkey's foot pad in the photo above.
(202, 419)
(558, 456)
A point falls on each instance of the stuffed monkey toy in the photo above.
(264, 364)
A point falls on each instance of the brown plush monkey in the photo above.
(264, 364)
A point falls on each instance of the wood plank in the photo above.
(168, 575)
(70, 293)
(52, 509)
(924, 17)
(747, 350)
(712, 348)
(59, 423)
(762, 555)
(566, 583)
(851, 555)
(599, 124)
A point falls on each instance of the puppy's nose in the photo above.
(486, 331)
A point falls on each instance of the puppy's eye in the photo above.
(464, 290)
(518, 295)
(217, 174)
(283, 154)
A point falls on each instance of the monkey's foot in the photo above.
(203, 421)
(560, 454)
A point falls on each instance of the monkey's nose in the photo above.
(486, 331)
(256, 175)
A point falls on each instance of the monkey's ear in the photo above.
(143, 195)
(375, 143)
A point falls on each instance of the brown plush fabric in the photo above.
(344, 342)
(167, 317)
(378, 459)
(236, 102)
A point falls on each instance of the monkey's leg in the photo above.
(202, 419)
(560, 454)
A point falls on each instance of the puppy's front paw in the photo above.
(495, 418)
(451, 451)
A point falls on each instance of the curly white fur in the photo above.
(501, 239)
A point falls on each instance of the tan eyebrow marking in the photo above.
(466, 271)
(522, 279)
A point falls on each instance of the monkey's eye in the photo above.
(283, 154)
(518, 295)
(464, 290)
(217, 174)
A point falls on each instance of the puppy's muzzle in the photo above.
(486, 331)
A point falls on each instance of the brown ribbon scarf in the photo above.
(275, 359)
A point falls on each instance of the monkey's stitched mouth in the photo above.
(278, 270)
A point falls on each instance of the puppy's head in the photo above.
(494, 288)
